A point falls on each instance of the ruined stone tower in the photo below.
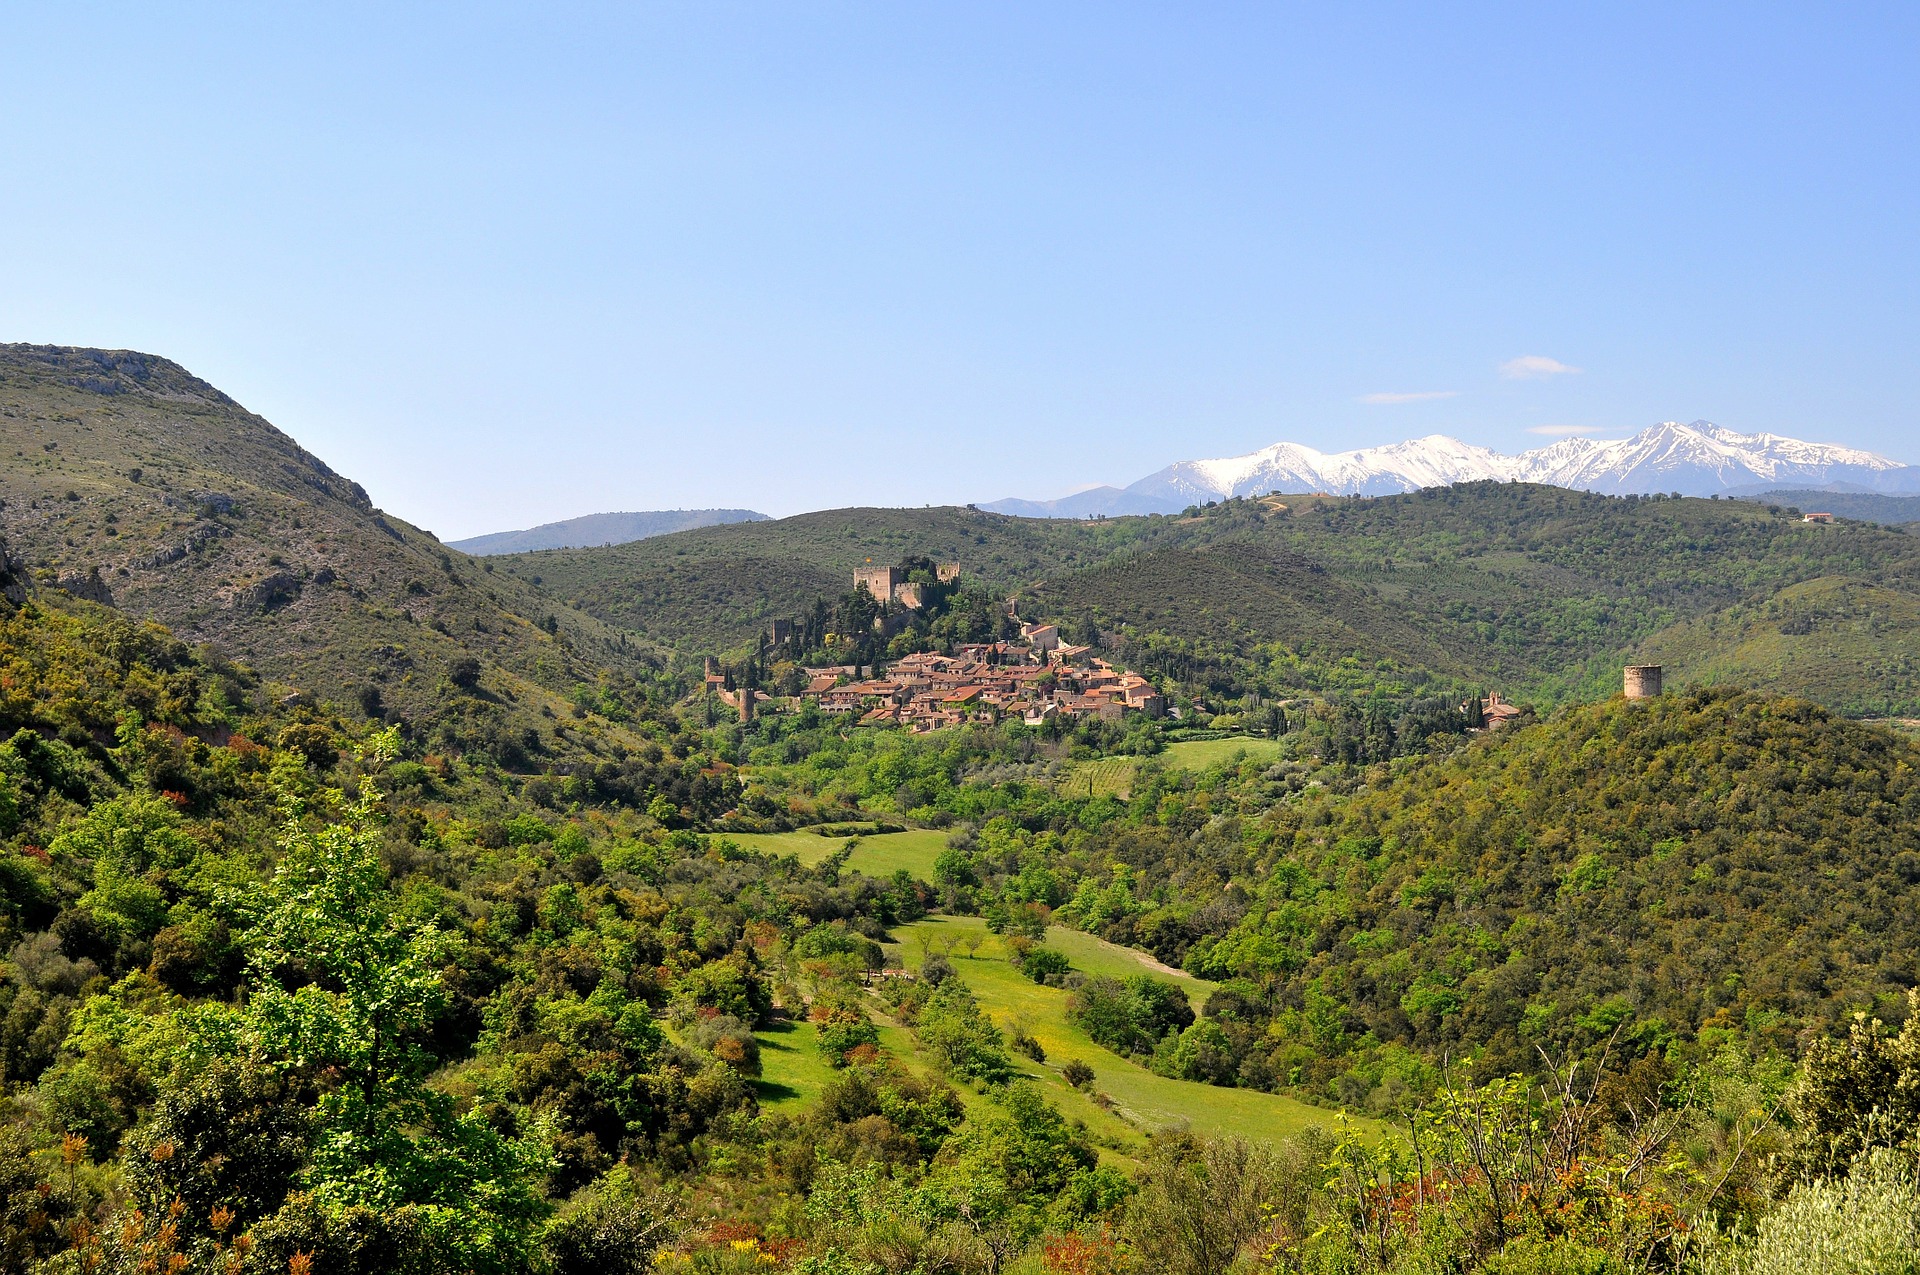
(1642, 681)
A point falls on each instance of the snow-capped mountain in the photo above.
(1697, 460)
(1701, 459)
(1435, 461)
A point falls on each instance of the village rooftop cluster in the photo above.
(1035, 679)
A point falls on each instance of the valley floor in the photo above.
(793, 1071)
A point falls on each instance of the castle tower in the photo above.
(881, 582)
(746, 703)
(1643, 681)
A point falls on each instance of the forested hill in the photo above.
(133, 483)
(1684, 870)
(1536, 591)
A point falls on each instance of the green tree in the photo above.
(953, 1029)
(130, 844)
(1130, 1015)
(344, 983)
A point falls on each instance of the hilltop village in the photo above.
(1035, 678)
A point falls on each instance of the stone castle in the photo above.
(890, 584)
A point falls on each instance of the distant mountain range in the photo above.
(1700, 459)
(591, 530)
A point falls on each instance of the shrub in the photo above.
(1026, 1044)
(230, 1135)
(1045, 965)
(729, 1040)
(611, 1232)
(1856, 1093)
(1197, 1207)
(842, 1027)
(1868, 1223)
(1130, 1015)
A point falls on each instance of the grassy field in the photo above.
(877, 855)
(884, 854)
(1143, 1101)
(1113, 776)
(1198, 754)
(1096, 956)
(792, 1071)
(810, 848)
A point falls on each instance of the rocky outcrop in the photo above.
(88, 587)
(274, 591)
(13, 577)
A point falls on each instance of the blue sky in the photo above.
(506, 265)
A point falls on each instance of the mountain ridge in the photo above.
(595, 530)
(1696, 459)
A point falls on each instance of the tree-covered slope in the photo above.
(1218, 612)
(133, 483)
(1539, 590)
(1848, 644)
(1719, 860)
(270, 972)
(1864, 506)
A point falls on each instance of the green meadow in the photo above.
(792, 1069)
(877, 854)
(1199, 754)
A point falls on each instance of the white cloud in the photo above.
(1418, 396)
(1565, 431)
(1534, 367)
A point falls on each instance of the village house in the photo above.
(1495, 712)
